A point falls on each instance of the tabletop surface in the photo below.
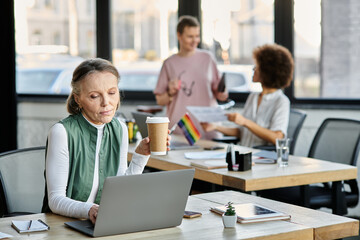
(301, 170)
(304, 223)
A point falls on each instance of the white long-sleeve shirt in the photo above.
(57, 170)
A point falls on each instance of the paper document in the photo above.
(205, 155)
(266, 154)
(207, 114)
(209, 164)
(260, 160)
(4, 235)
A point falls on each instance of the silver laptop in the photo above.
(140, 202)
(140, 120)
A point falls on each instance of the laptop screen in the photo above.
(140, 119)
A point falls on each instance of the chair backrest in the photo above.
(22, 180)
(337, 140)
(296, 120)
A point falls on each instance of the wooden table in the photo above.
(325, 225)
(301, 171)
(304, 224)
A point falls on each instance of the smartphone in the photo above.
(214, 148)
(191, 214)
(221, 86)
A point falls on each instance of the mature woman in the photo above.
(188, 78)
(266, 115)
(90, 144)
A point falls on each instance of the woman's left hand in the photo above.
(144, 146)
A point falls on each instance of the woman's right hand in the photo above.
(144, 147)
(208, 126)
(236, 118)
(93, 213)
(173, 87)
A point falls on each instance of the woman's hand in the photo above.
(144, 146)
(236, 118)
(173, 87)
(208, 126)
(168, 140)
(93, 213)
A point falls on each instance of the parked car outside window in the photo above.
(45, 73)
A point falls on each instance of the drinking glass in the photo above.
(282, 150)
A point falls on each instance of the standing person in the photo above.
(90, 144)
(266, 115)
(188, 78)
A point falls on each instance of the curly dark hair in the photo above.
(275, 65)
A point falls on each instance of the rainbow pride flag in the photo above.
(189, 129)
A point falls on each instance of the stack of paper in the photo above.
(5, 235)
(264, 157)
(209, 164)
(205, 155)
(207, 159)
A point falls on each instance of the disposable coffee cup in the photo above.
(158, 132)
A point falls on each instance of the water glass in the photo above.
(282, 150)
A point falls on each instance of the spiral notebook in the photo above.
(29, 226)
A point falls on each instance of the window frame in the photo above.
(283, 34)
(284, 19)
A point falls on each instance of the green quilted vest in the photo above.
(82, 138)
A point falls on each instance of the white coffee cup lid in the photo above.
(157, 120)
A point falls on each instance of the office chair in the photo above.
(337, 140)
(22, 181)
(296, 121)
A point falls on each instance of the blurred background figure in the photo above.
(189, 78)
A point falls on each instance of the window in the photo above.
(326, 49)
(52, 38)
(231, 29)
(143, 35)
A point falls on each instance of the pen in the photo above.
(30, 224)
(232, 153)
(173, 128)
(44, 223)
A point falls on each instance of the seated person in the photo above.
(266, 115)
(89, 145)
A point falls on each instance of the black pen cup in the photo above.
(242, 161)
